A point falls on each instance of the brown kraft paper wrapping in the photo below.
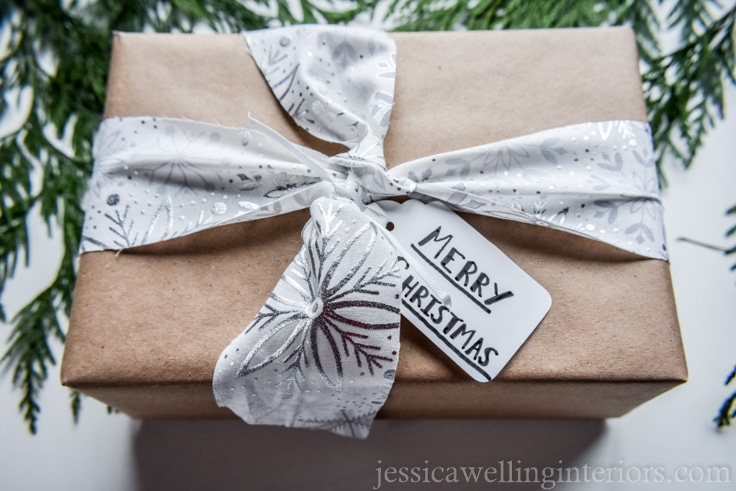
(147, 326)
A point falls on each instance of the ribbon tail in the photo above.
(575, 178)
(322, 352)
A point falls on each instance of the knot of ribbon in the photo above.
(358, 175)
(322, 351)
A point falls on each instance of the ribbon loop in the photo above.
(322, 351)
(336, 83)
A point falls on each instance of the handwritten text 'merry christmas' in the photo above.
(461, 271)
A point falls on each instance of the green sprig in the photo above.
(728, 408)
(685, 89)
(731, 233)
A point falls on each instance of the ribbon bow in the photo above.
(322, 351)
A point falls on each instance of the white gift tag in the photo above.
(494, 305)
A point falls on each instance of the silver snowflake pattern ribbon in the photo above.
(322, 351)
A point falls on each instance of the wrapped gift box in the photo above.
(148, 325)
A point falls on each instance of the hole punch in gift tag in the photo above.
(495, 305)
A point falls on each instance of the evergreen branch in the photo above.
(728, 408)
(29, 351)
(727, 412)
(684, 90)
(76, 404)
(731, 376)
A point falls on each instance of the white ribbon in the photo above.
(322, 351)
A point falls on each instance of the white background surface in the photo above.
(672, 435)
